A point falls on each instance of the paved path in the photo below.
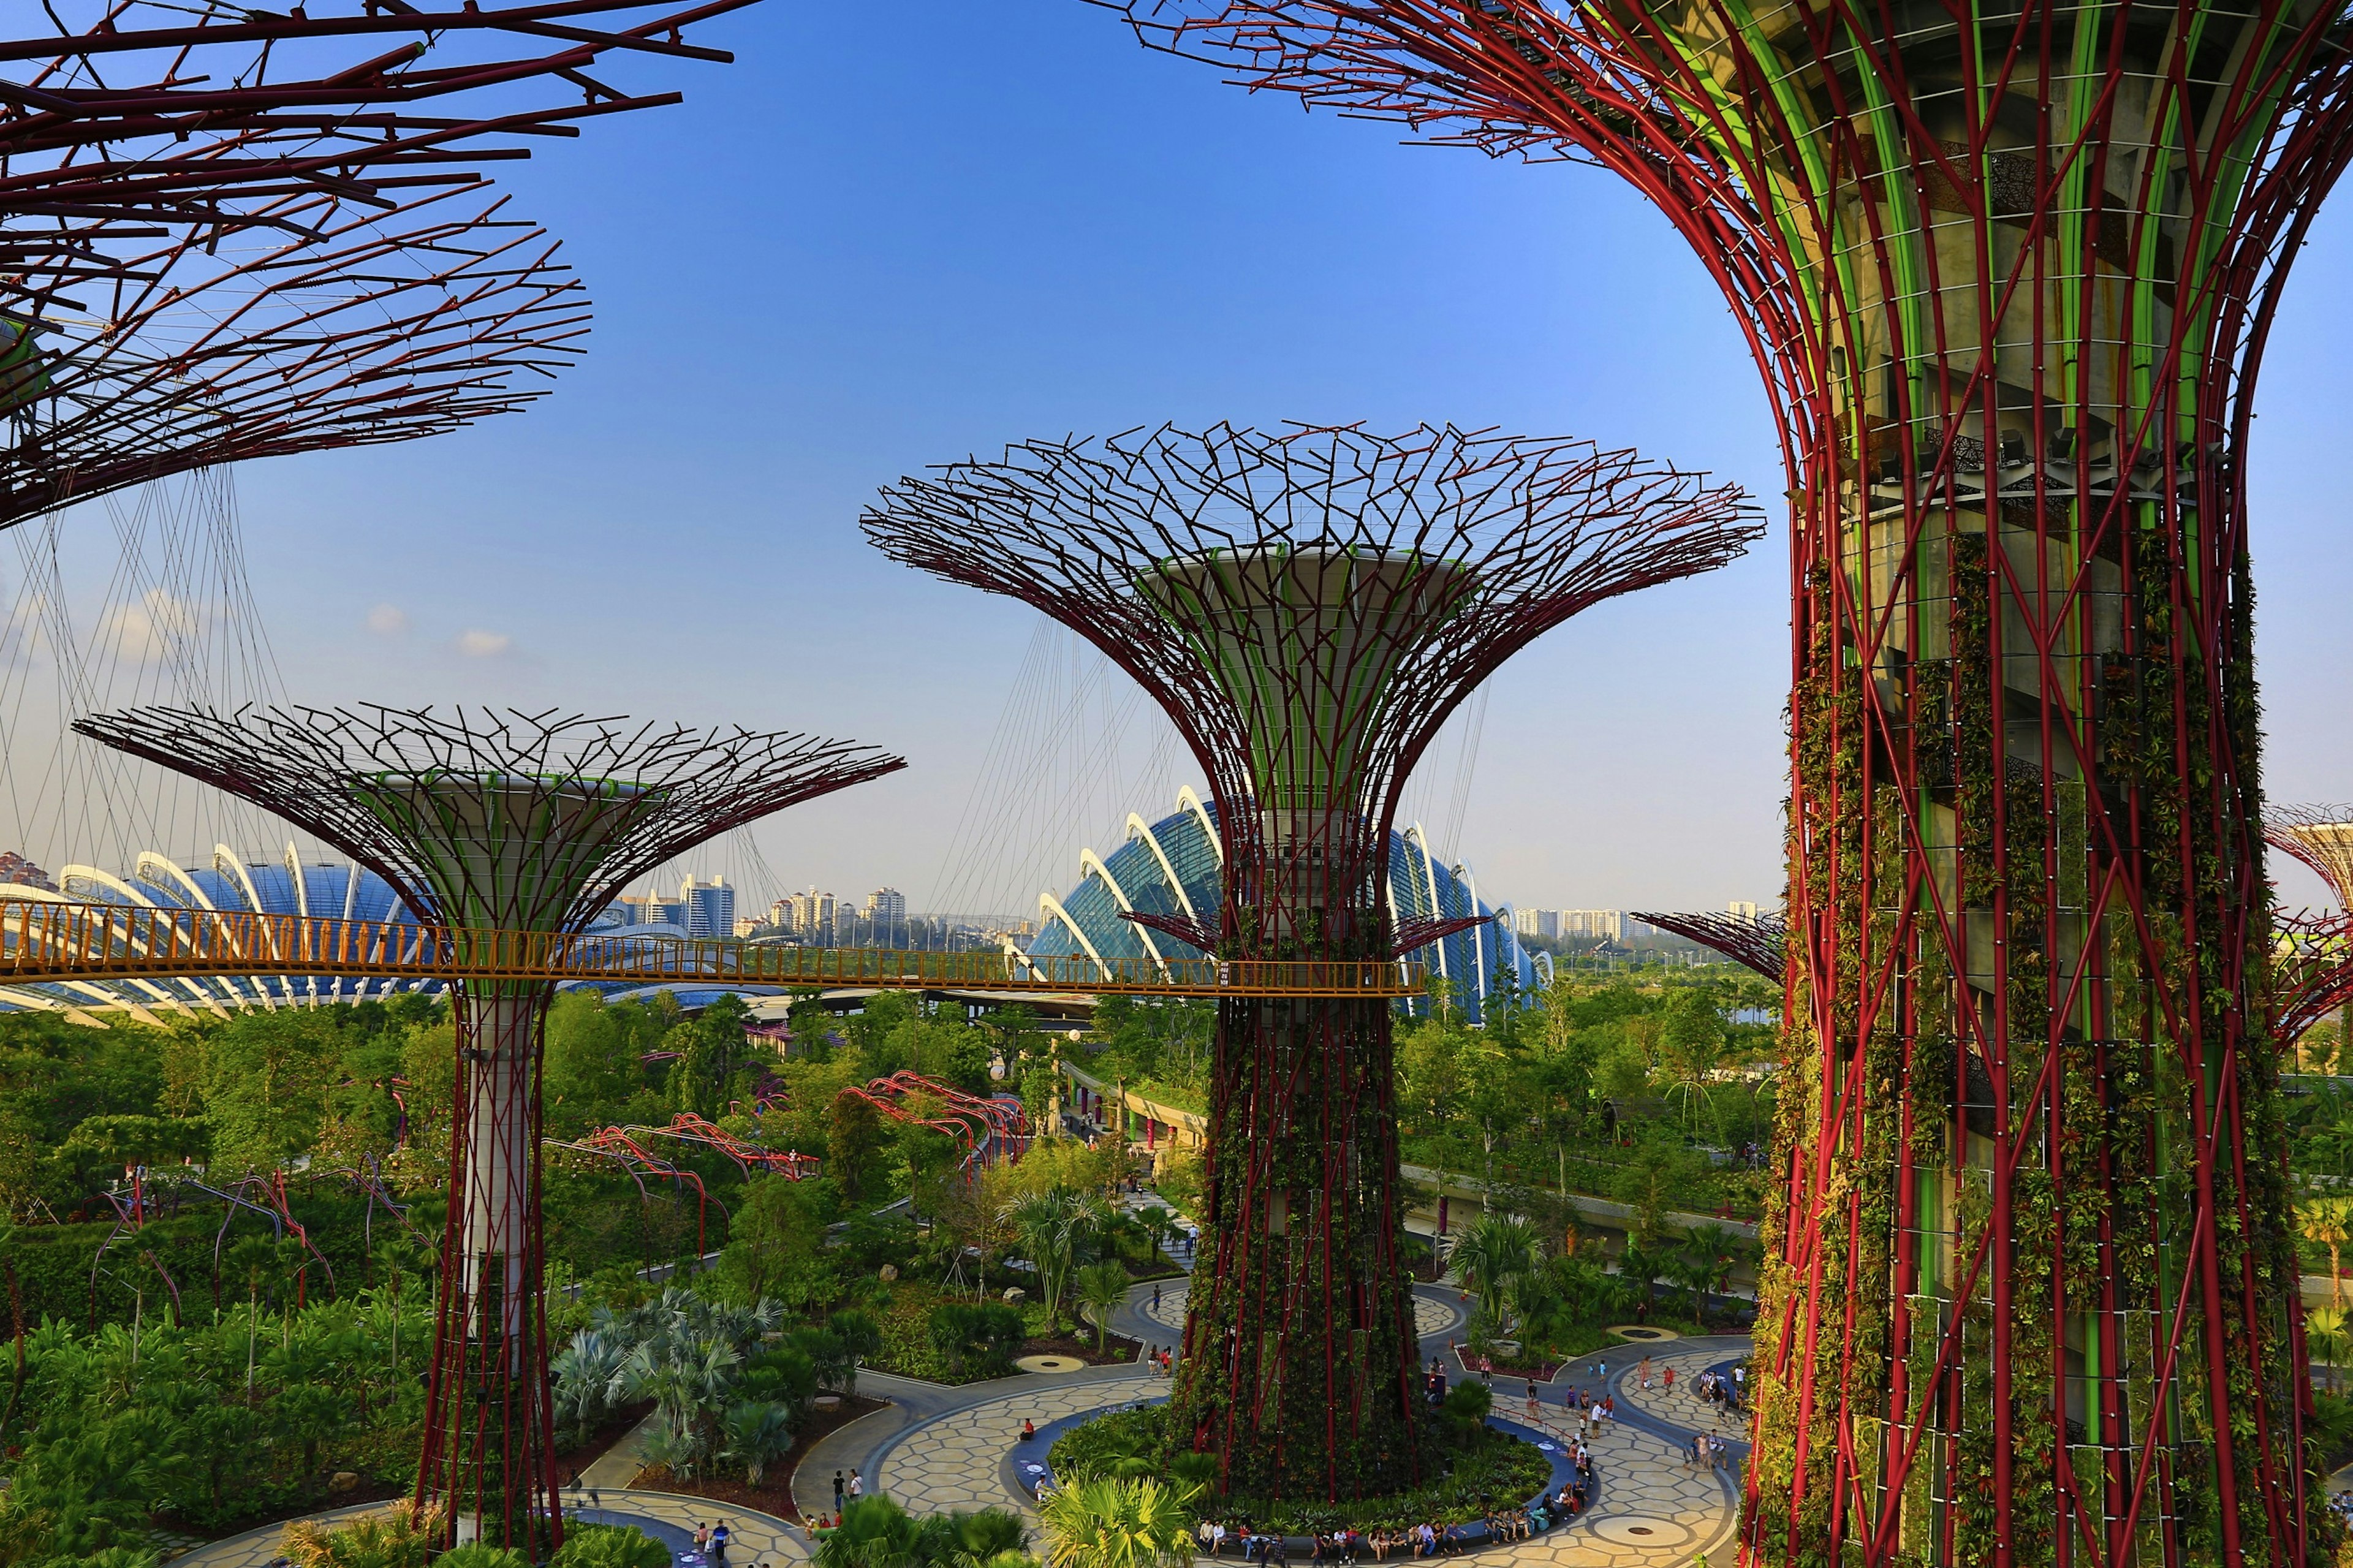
(758, 1538)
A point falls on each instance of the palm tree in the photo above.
(1049, 1226)
(2323, 1222)
(1719, 1248)
(874, 1532)
(756, 1433)
(1491, 1255)
(2325, 1333)
(1638, 1266)
(1694, 1273)
(1102, 1288)
(1105, 1522)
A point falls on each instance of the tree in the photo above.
(2324, 1223)
(590, 1072)
(1103, 1521)
(1715, 1250)
(1431, 1059)
(1491, 1256)
(2328, 1335)
(778, 1235)
(754, 1434)
(852, 1143)
(1049, 1226)
(712, 1050)
(1690, 1049)
(1102, 1288)
(266, 1084)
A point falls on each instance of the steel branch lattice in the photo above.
(493, 823)
(1307, 606)
(124, 114)
(1761, 944)
(2006, 274)
(228, 234)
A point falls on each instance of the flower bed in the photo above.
(907, 1349)
(1497, 1470)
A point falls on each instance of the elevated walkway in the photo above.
(57, 942)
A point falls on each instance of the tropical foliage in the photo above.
(876, 1533)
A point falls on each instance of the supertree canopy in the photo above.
(1306, 606)
(2311, 961)
(133, 112)
(226, 234)
(343, 326)
(1761, 944)
(2031, 1288)
(488, 822)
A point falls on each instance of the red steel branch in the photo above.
(1761, 944)
(2007, 275)
(386, 327)
(130, 111)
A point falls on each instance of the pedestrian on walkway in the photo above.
(1532, 1399)
(719, 1545)
(857, 1484)
(702, 1539)
(836, 1488)
(1668, 1373)
(1155, 1298)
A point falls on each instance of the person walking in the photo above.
(857, 1484)
(1155, 1298)
(1533, 1413)
(719, 1545)
(837, 1492)
(1668, 1372)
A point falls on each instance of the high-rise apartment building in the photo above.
(887, 905)
(1593, 925)
(1537, 922)
(709, 908)
(1743, 909)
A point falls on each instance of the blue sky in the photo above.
(890, 235)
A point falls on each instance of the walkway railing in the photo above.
(59, 941)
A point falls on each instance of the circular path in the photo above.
(756, 1538)
(1652, 1507)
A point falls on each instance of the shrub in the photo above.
(609, 1546)
(401, 1539)
(474, 1554)
(977, 1341)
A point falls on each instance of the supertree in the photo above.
(1306, 606)
(226, 234)
(2313, 958)
(2007, 273)
(1761, 944)
(487, 822)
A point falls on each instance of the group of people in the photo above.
(711, 1543)
(1726, 1392)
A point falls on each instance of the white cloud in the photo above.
(387, 619)
(483, 644)
(147, 629)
